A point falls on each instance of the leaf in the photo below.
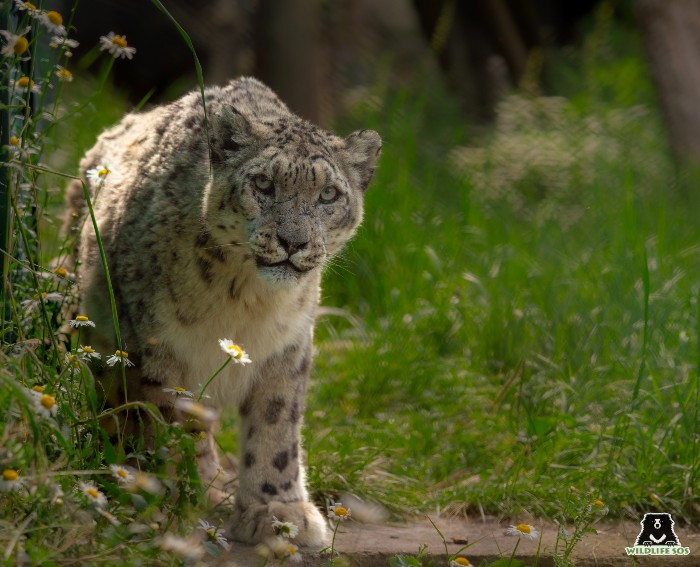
(110, 453)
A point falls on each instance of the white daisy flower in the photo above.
(338, 512)
(214, 534)
(15, 44)
(28, 7)
(64, 74)
(234, 351)
(99, 173)
(119, 356)
(87, 352)
(81, 321)
(64, 43)
(144, 481)
(117, 46)
(53, 21)
(45, 405)
(18, 150)
(523, 530)
(187, 549)
(10, 480)
(205, 415)
(59, 274)
(24, 84)
(284, 529)
(93, 494)
(31, 305)
(122, 474)
(14, 144)
(284, 550)
(73, 363)
(178, 391)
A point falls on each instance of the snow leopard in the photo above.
(217, 225)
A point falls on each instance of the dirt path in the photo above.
(370, 546)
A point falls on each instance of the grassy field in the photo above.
(521, 309)
(517, 318)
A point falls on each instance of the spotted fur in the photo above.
(225, 239)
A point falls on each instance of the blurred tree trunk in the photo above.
(672, 35)
(290, 55)
(482, 45)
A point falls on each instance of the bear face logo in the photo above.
(657, 529)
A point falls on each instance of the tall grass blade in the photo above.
(4, 185)
(197, 65)
(645, 331)
(113, 303)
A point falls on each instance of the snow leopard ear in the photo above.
(230, 132)
(363, 148)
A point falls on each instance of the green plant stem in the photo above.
(335, 532)
(113, 303)
(4, 189)
(149, 408)
(224, 365)
(198, 67)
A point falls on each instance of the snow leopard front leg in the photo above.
(272, 478)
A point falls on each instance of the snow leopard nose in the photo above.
(291, 247)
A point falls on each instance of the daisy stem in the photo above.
(335, 532)
(201, 393)
(512, 555)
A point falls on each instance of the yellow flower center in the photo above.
(598, 503)
(88, 350)
(121, 353)
(47, 401)
(65, 74)
(55, 18)
(104, 171)
(29, 6)
(81, 318)
(38, 388)
(24, 82)
(61, 272)
(14, 141)
(178, 389)
(92, 493)
(10, 475)
(523, 528)
(119, 41)
(21, 45)
(292, 549)
(462, 561)
(236, 351)
(341, 511)
(42, 296)
(122, 473)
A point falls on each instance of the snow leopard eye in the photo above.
(329, 194)
(263, 183)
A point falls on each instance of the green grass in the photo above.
(518, 315)
(512, 339)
